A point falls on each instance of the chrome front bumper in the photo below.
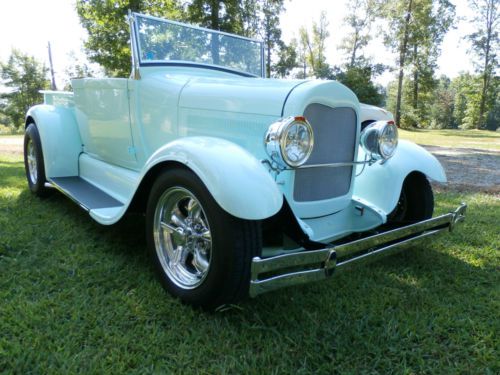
(307, 266)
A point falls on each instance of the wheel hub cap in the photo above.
(182, 237)
(32, 164)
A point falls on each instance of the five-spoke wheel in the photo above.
(182, 237)
(202, 253)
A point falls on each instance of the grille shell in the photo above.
(334, 142)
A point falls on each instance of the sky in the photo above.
(56, 21)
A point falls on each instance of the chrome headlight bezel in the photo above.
(380, 139)
(276, 141)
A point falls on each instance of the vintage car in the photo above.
(247, 184)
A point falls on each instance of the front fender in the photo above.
(380, 184)
(60, 138)
(236, 179)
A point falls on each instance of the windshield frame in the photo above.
(136, 48)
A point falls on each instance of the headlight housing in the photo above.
(380, 139)
(289, 142)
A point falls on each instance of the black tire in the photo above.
(33, 162)
(234, 242)
(416, 202)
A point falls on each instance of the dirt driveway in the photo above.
(466, 168)
(469, 168)
(11, 145)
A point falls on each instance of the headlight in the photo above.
(380, 139)
(290, 141)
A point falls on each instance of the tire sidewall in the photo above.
(221, 257)
(33, 135)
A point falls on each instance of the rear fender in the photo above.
(60, 138)
(381, 183)
(238, 182)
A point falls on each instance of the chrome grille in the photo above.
(334, 142)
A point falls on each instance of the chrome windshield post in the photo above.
(135, 74)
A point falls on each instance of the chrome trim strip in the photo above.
(136, 42)
(134, 46)
(196, 27)
(307, 266)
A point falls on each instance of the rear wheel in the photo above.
(202, 254)
(33, 162)
(416, 202)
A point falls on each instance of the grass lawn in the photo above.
(479, 139)
(79, 297)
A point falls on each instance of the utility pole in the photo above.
(53, 81)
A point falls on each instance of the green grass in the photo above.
(479, 139)
(79, 297)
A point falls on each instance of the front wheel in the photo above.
(201, 253)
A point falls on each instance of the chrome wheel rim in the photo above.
(32, 165)
(182, 236)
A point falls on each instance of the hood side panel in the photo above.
(242, 95)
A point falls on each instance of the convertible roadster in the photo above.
(248, 184)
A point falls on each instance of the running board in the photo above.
(84, 193)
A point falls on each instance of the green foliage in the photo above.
(288, 60)
(78, 68)
(232, 16)
(451, 104)
(485, 42)
(313, 49)
(24, 77)
(270, 33)
(467, 100)
(359, 80)
(415, 31)
(442, 105)
(361, 14)
(108, 31)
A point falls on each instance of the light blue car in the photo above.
(248, 184)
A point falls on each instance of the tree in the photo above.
(359, 80)
(270, 32)
(78, 67)
(467, 101)
(432, 19)
(313, 49)
(108, 41)
(413, 26)
(288, 60)
(24, 76)
(442, 105)
(361, 14)
(232, 16)
(485, 44)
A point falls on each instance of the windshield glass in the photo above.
(162, 41)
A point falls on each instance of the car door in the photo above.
(103, 115)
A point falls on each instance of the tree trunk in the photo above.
(354, 48)
(415, 81)
(484, 91)
(214, 20)
(402, 58)
(268, 57)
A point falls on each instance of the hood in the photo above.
(241, 95)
